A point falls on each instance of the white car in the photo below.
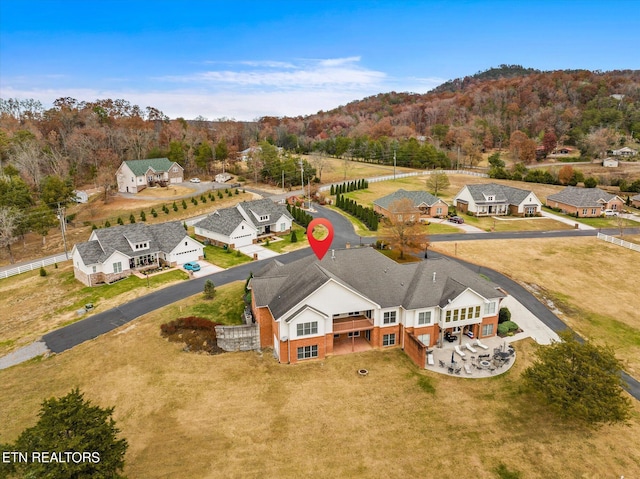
(195, 180)
(610, 213)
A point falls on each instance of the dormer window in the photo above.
(141, 245)
(489, 198)
(264, 217)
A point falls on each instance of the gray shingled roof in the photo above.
(225, 220)
(140, 167)
(222, 221)
(514, 196)
(635, 198)
(581, 197)
(418, 198)
(373, 275)
(163, 237)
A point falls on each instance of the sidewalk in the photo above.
(21, 355)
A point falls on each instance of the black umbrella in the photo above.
(453, 359)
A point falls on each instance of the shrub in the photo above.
(43, 272)
(93, 226)
(294, 237)
(504, 315)
(175, 207)
(107, 224)
(132, 219)
(191, 322)
(120, 222)
(184, 205)
(209, 289)
(507, 327)
(237, 192)
(154, 213)
(143, 216)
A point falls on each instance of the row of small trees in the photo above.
(299, 215)
(349, 186)
(211, 196)
(363, 213)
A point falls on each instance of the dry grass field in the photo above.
(591, 282)
(242, 415)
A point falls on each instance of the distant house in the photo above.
(116, 252)
(492, 199)
(427, 205)
(625, 151)
(135, 175)
(635, 201)
(584, 202)
(610, 163)
(243, 224)
(222, 177)
(307, 309)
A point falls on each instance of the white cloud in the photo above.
(266, 88)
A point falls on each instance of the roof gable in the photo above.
(494, 192)
(417, 197)
(582, 197)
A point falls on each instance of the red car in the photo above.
(456, 219)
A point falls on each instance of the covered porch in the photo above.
(352, 334)
(144, 261)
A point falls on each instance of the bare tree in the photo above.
(404, 230)
(437, 182)
(28, 158)
(319, 162)
(8, 225)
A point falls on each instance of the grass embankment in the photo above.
(243, 415)
(225, 258)
(285, 245)
(589, 280)
(35, 305)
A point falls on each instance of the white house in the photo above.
(135, 175)
(308, 307)
(114, 253)
(492, 199)
(625, 151)
(610, 162)
(241, 225)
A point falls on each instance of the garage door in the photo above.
(175, 180)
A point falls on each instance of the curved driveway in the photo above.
(96, 325)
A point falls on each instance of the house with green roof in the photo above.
(425, 204)
(135, 175)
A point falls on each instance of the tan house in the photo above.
(426, 205)
(584, 202)
(136, 175)
(635, 201)
(357, 299)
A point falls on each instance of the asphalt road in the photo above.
(96, 325)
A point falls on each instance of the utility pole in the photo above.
(301, 176)
(63, 228)
(394, 163)
(283, 181)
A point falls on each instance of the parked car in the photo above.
(192, 266)
(450, 337)
(610, 213)
(456, 219)
(195, 180)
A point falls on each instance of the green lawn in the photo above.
(285, 245)
(224, 258)
(97, 293)
(226, 307)
(600, 222)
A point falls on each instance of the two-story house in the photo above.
(307, 308)
(135, 175)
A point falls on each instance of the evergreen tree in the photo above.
(70, 424)
(184, 205)
(120, 222)
(132, 219)
(294, 237)
(332, 191)
(143, 216)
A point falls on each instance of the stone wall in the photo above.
(238, 338)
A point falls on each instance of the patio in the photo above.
(472, 360)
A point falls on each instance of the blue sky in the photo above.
(247, 59)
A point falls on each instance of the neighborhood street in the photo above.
(66, 338)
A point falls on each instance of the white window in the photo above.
(584, 211)
(388, 339)
(117, 267)
(438, 211)
(304, 329)
(487, 330)
(389, 317)
(593, 211)
(490, 308)
(448, 316)
(424, 317)
(283, 226)
(425, 339)
(489, 198)
(307, 352)
(94, 269)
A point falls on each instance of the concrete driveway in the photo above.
(206, 269)
(567, 221)
(262, 252)
(461, 226)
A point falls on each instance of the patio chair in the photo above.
(470, 348)
(480, 345)
(457, 371)
(430, 361)
(442, 364)
(459, 351)
(467, 369)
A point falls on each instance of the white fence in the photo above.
(619, 242)
(413, 173)
(31, 266)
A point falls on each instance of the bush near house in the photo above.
(504, 315)
(507, 327)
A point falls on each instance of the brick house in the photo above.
(493, 199)
(425, 204)
(243, 224)
(584, 202)
(116, 252)
(635, 201)
(136, 175)
(307, 308)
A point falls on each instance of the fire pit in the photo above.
(363, 372)
(484, 363)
